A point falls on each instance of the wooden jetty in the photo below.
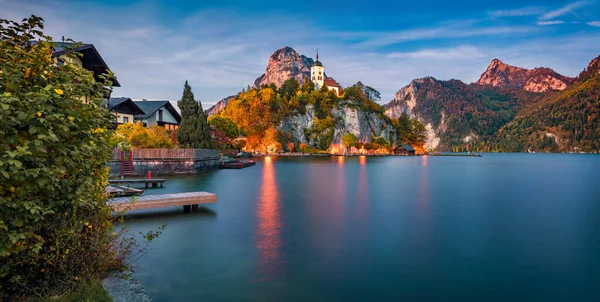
(237, 164)
(155, 182)
(115, 191)
(189, 201)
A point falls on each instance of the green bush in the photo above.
(55, 227)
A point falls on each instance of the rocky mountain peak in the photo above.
(592, 69)
(285, 63)
(499, 74)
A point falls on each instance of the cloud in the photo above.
(525, 11)
(222, 52)
(594, 23)
(379, 39)
(545, 23)
(563, 10)
(453, 53)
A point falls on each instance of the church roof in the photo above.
(331, 82)
(317, 63)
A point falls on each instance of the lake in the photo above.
(502, 227)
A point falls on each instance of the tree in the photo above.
(188, 134)
(193, 131)
(139, 136)
(225, 125)
(348, 140)
(55, 226)
(290, 146)
(302, 146)
(204, 130)
(289, 87)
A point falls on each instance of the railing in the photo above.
(189, 154)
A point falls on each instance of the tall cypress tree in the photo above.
(187, 133)
(193, 131)
(205, 141)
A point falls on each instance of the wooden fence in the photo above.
(191, 154)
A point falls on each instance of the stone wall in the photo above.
(166, 167)
(168, 162)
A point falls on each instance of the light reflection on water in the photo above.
(269, 225)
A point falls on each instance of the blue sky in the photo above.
(222, 46)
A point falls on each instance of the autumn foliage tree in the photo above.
(138, 136)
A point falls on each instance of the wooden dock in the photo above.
(117, 191)
(155, 182)
(237, 164)
(189, 201)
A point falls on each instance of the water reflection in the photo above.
(363, 187)
(269, 223)
(340, 160)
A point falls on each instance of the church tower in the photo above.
(317, 73)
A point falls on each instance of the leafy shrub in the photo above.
(55, 227)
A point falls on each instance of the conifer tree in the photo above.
(205, 141)
(186, 133)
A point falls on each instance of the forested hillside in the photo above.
(272, 118)
(565, 121)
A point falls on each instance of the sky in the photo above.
(221, 47)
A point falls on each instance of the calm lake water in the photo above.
(503, 227)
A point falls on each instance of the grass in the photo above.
(88, 292)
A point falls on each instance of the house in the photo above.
(90, 60)
(405, 149)
(161, 113)
(317, 76)
(124, 109)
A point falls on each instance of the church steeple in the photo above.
(317, 72)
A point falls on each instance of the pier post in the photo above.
(194, 207)
(187, 209)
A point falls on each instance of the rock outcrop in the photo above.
(219, 106)
(285, 63)
(499, 74)
(592, 70)
(349, 119)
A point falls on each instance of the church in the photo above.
(317, 71)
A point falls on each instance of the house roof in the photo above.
(150, 107)
(124, 105)
(91, 59)
(407, 147)
(331, 82)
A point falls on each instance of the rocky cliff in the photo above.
(219, 106)
(285, 63)
(499, 74)
(348, 119)
(591, 71)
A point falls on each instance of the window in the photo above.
(160, 115)
(313, 77)
(319, 73)
(125, 119)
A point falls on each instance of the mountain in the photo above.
(219, 106)
(564, 121)
(285, 63)
(502, 75)
(455, 113)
